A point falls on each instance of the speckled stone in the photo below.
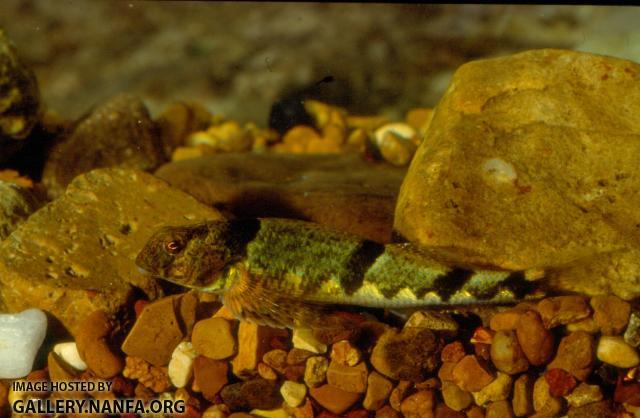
(478, 179)
(16, 204)
(81, 247)
(119, 132)
(610, 313)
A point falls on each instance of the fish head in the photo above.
(194, 256)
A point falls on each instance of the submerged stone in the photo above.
(530, 162)
(119, 132)
(20, 338)
(342, 191)
(76, 254)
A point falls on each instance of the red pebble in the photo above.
(294, 372)
(560, 381)
(359, 413)
(452, 352)
(139, 306)
(627, 393)
(482, 335)
(122, 386)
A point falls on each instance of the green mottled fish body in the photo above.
(280, 271)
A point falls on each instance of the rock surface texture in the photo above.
(16, 204)
(76, 254)
(338, 190)
(119, 132)
(531, 161)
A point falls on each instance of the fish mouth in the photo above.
(143, 271)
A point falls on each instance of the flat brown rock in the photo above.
(160, 328)
(530, 161)
(76, 254)
(343, 191)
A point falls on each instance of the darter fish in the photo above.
(283, 272)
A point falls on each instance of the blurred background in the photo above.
(239, 58)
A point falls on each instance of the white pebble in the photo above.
(68, 352)
(615, 351)
(180, 366)
(293, 393)
(400, 129)
(303, 338)
(499, 170)
(21, 336)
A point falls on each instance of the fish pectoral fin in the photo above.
(250, 298)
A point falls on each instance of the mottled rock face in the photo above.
(19, 98)
(338, 190)
(76, 254)
(119, 132)
(16, 204)
(530, 161)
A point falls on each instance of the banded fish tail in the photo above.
(405, 276)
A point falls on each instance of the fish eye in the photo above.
(173, 247)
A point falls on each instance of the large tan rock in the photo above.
(76, 254)
(530, 161)
(343, 191)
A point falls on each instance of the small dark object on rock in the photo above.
(288, 112)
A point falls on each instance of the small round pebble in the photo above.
(315, 372)
(378, 391)
(611, 313)
(419, 405)
(213, 338)
(293, 393)
(536, 341)
(615, 351)
(455, 398)
(498, 390)
(180, 367)
(68, 352)
(506, 353)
